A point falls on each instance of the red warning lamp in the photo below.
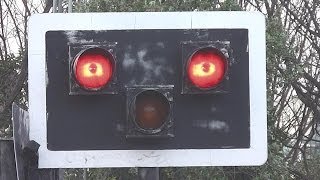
(93, 68)
(206, 68)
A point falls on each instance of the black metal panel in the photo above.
(147, 58)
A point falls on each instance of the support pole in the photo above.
(54, 6)
(150, 173)
(59, 6)
(70, 6)
(26, 151)
(7, 161)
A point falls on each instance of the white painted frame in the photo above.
(253, 21)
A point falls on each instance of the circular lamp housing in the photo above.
(93, 68)
(151, 110)
(206, 68)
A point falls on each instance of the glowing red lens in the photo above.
(206, 68)
(93, 68)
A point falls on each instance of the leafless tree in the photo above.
(13, 53)
(293, 73)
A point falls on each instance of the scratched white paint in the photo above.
(254, 22)
(128, 62)
(213, 125)
(218, 125)
(152, 68)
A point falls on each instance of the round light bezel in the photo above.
(108, 56)
(215, 51)
(133, 113)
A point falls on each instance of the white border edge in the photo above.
(255, 155)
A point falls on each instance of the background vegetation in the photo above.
(293, 52)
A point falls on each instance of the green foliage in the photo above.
(153, 5)
(101, 174)
(9, 70)
(230, 5)
(188, 173)
(279, 53)
(275, 167)
(314, 165)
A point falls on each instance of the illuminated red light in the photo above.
(206, 68)
(93, 68)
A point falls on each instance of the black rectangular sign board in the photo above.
(149, 58)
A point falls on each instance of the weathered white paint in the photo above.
(254, 22)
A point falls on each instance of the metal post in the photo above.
(70, 6)
(26, 156)
(7, 162)
(150, 173)
(59, 6)
(54, 6)
(85, 174)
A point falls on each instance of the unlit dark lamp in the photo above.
(151, 110)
